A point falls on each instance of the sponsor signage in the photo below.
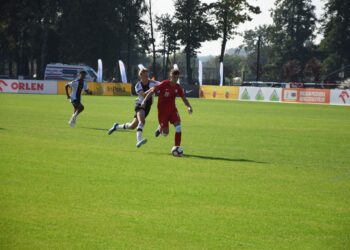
(260, 94)
(106, 88)
(340, 96)
(28, 86)
(219, 92)
(115, 89)
(321, 96)
(191, 90)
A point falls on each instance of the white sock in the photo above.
(124, 126)
(139, 132)
(74, 116)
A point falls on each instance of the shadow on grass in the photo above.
(2, 129)
(219, 158)
(106, 129)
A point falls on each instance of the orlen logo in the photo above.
(2, 83)
(344, 95)
(24, 86)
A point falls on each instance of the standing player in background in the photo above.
(75, 98)
(141, 113)
(167, 111)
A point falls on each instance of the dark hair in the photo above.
(82, 72)
(174, 72)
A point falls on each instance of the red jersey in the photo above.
(167, 95)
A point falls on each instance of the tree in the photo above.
(36, 32)
(229, 14)
(194, 26)
(250, 46)
(312, 70)
(112, 30)
(293, 31)
(291, 70)
(167, 27)
(335, 45)
(152, 40)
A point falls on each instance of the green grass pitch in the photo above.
(255, 176)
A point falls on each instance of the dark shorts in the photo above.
(138, 107)
(76, 103)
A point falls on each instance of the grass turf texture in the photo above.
(255, 176)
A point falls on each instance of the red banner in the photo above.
(306, 95)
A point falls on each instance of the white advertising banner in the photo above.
(122, 71)
(221, 73)
(260, 94)
(28, 86)
(340, 96)
(200, 73)
(99, 71)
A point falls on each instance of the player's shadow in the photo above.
(106, 129)
(219, 158)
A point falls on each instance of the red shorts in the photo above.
(165, 117)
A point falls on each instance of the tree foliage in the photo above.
(293, 32)
(44, 31)
(195, 25)
(229, 14)
(335, 45)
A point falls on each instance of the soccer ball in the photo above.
(177, 151)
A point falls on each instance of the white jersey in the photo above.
(140, 87)
(77, 89)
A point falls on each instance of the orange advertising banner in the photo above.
(219, 92)
(321, 96)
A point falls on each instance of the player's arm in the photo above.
(142, 93)
(66, 88)
(187, 103)
(148, 95)
(155, 83)
(86, 89)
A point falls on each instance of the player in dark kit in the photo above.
(141, 113)
(167, 111)
(75, 98)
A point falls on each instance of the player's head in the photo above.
(82, 74)
(174, 75)
(143, 74)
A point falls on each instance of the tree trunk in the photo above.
(188, 52)
(167, 61)
(224, 39)
(43, 54)
(10, 69)
(153, 42)
(188, 66)
(164, 52)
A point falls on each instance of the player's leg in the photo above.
(157, 132)
(141, 118)
(128, 125)
(76, 105)
(176, 121)
(163, 127)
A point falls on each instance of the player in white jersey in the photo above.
(75, 97)
(141, 113)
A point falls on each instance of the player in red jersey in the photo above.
(167, 111)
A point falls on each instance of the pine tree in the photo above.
(194, 27)
(293, 31)
(335, 45)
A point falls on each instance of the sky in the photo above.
(213, 48)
